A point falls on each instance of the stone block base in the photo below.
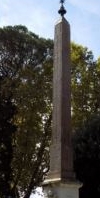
(61, 190)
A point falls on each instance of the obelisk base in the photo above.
(57, 189)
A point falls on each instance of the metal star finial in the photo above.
(62, 10)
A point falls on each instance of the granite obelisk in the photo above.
(61, 163)
(61, 176)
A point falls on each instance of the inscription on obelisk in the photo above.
(61, 163)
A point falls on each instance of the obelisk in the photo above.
(61, 165)
(61, 179)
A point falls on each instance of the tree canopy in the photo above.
(7, 133)
(26, 66)
(85, 85)
(87, 157)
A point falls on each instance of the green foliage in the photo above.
(87, 155)
(7, 133)
(33, 115)
(26, 60)
(85, 104)
(85, 85)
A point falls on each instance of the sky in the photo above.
(40, 16)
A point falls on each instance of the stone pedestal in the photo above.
(57, 189)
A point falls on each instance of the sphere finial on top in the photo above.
(62, 10)
(62, 1)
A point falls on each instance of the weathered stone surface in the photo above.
(62, 190)
(61, 163)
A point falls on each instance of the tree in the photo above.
(7, 133)
(87, 157)
(85, 103)
(27, 60)
(33, 117)
(85, 85)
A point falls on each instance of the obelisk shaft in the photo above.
(61, 163)
(60, 181)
